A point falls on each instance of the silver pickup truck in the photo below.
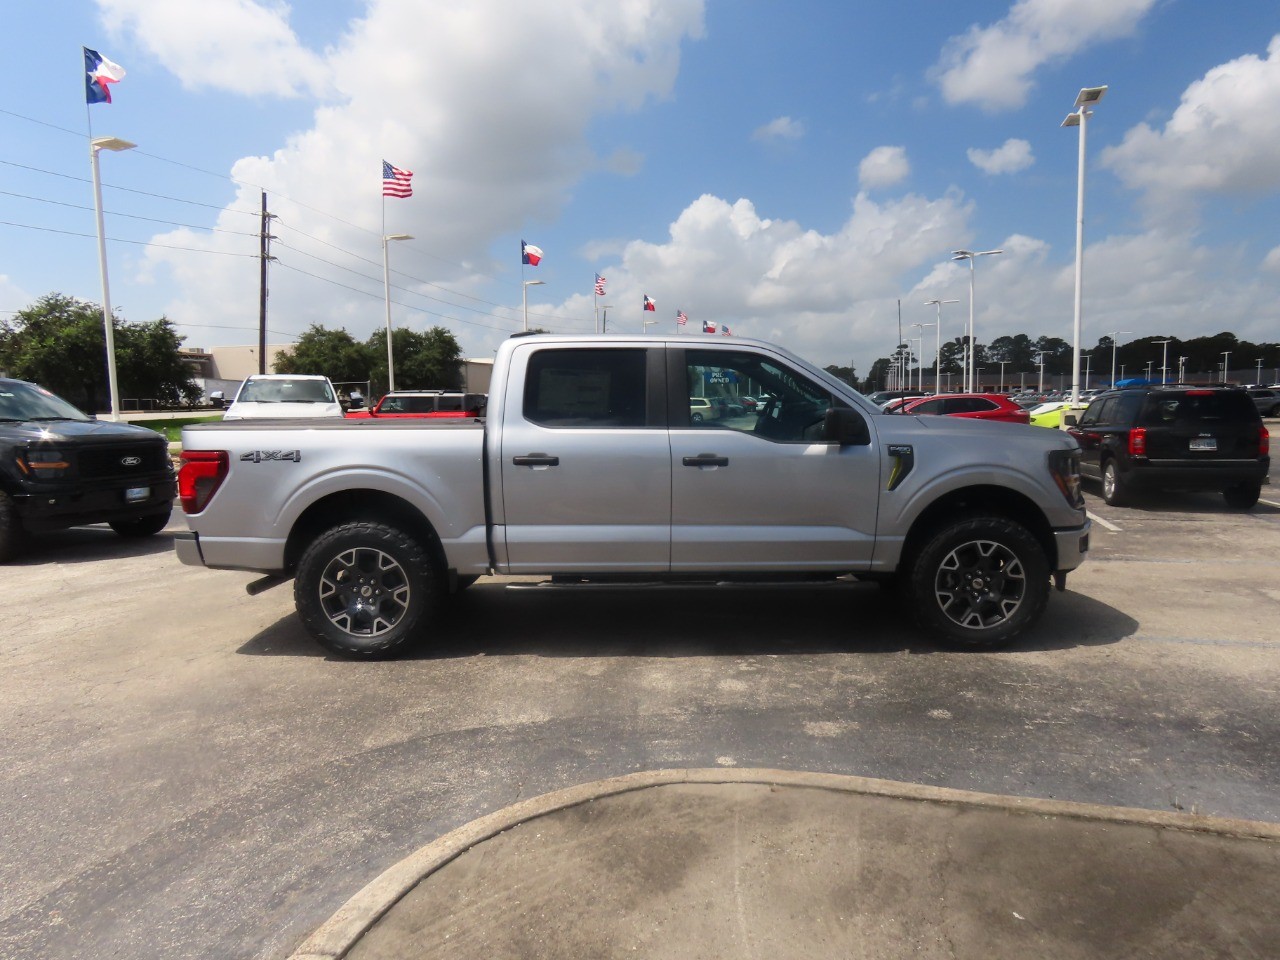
(590, 467)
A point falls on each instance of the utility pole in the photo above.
(264, 256)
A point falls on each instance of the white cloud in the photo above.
(1221, 139)
(12, 297)
(883, 167)
(1010, 157)
(782, 128)
(490, 151)
(236, 45)
(993, 66)
(1271, 262)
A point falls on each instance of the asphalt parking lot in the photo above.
(189, 776)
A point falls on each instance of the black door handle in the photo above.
(536, 460)
(706, 460)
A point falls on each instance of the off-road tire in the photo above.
(1115, 491)
(365, 589)
(142, 526)
(11, 533)
(1242, 496)
(979, 582)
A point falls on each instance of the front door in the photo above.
(759, 491)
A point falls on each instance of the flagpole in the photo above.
(595, 300)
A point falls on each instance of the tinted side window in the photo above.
(928, 406)
(586, 388)
(793, 414)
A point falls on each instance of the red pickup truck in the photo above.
(418, 404)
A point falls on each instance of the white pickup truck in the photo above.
(590, 466)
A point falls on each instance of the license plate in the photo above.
(1204, 443)
(137, 494)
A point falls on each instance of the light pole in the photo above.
(1113, 355)
(386, 288)
(937, 343)
(971, 256)
(1164, 361)
(604, 325)
(1182, 369)
(1088, 358)
(1150, 364)
(524, 293)
(108, 322)
(1040, 363)
(920, 353)
(1079, 118)
(1002, 366)
(1226, 355)
(1258, 379)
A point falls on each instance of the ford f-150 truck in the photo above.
(590, 467)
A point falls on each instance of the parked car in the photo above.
(701, 408)
(881, 397)
(284, 395)
(1267, 401)
(62, 468)
(429, 404)
(972, 406)
(1050, 414)
(1175, 438)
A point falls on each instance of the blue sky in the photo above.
(791, 170)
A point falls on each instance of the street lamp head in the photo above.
(1073, 120)
(111, 143)
(398, 236)
(1088, 96)
(971, 254)
(534, 283)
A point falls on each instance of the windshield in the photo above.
(26, 401)
(286, 391)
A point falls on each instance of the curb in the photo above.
(337, 935)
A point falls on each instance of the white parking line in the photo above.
(1269, 503)
(1106, 523)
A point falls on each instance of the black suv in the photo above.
(1175, 437)
(60, 468)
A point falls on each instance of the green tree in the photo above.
(331, 353)
(847, 374)
(431, 360)
(59, 343)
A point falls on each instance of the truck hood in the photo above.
(275, 410)
(107, 431)
(895, 427)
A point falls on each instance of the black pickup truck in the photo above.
(61, 468)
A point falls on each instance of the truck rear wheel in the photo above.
(363, 589)
(980, 582)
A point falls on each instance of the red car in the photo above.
(973, 406)
(423, 403)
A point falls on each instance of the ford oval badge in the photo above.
(130, 461)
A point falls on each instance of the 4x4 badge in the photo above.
(258, 456)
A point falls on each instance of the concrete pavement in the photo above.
(764, 863)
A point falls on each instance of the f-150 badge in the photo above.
(904, 460)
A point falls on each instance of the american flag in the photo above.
(600, 281)
(681, 318)
(725, 330)
(395, 182)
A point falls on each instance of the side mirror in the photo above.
(846, 427)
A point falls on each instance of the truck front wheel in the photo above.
(980, 582)
(363, 589)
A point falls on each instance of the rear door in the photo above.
(1200, 425)
(585, 460)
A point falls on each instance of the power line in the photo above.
(138, 243)
(131, 216)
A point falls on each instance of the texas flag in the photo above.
(530, 254)
(708, 326)
(649, 304)
(99, 72)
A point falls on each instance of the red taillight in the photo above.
(1138, 442)
(201, 474)
(1264, 442)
